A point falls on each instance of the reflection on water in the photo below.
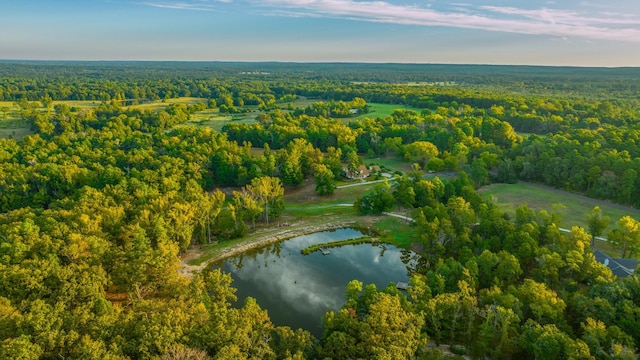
(297, 290)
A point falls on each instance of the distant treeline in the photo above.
(91, 79)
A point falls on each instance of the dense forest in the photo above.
(97, 203)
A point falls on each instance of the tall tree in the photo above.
(626, 237)
(324, 180)
(420, 152)
(270, 193)
(596, 223)
(248, 205)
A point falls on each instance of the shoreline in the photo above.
(258, 239)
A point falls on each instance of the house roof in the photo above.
(631, 264)
(619, 267)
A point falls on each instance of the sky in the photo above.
(521, 32)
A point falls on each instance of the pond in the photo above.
(297, 290)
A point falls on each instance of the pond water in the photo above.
(297, 290)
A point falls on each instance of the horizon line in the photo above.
(319, 62)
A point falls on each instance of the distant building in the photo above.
(360, 173)
(619, 267)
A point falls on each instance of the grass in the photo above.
(14, 128)
(377, 110)
(16, 134)
(299, 103)
(82, 104)
(572, 208)
(397, 231)
(304, 197)
(216, 121)
(302, 211)
(161, 104)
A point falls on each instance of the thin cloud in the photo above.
(566, 17)
(544, 21)
(535, 22)
(181, 6)
(197, 5)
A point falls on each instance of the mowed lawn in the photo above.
(572, 207)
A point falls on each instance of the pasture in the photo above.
(215, 120)
(573, 208)
(12, 126)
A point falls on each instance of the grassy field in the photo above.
(161, 104)
(377, 110)
(13, 127)
(299, 103)
(16, 134)
(80, 104)
(214, 120)
(304, 198)
(573, 208)
(397, 231)
(9, 112)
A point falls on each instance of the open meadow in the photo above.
(573, 208)
(377, 110)
(160, 104)
(215, 120)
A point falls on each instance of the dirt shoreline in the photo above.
(259, 239)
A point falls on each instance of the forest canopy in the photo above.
(106, 178)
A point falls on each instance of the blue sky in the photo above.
(554, 32)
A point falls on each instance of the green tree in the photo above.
(548, 342)
(540, 303)
(626, 237)
(270, 193)
(248, 205)
(498, 333)
(420, 152)
(603, 344)
(596, 223)
(627, 186)
(324, 180)
(404, 194)
(377, 200)
(479, 173)
(5, 111)
(333, 160)
(373, 325)
(20, 348)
